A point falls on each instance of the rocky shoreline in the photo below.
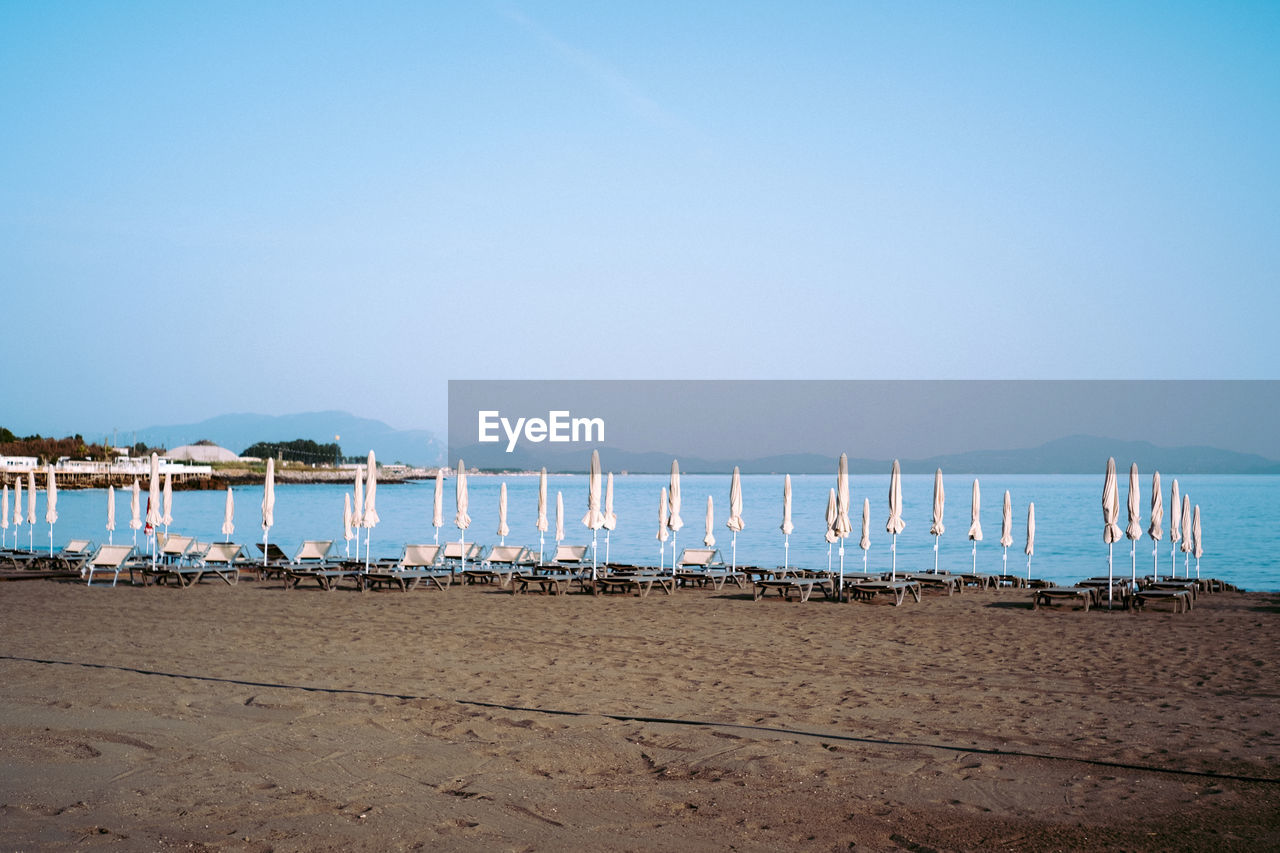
(217, 480)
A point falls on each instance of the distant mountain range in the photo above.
(357, 436)
(1078, 454)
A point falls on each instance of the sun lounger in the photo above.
(978, 580)
(416, 564)
(549, 583)
(949, 583)
(312, 563)
(109, 558)
(703, 566)
(1084, 596)
(500, 564)
(1181, 599)
(274, 560)
(787, 586)
(173, 548)
(73, 555)
(217, 560)
(226, 559)
(639, 583)
(458, 555)
(1188, 585)
(897, 590)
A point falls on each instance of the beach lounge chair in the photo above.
(109, 558)
(215, 559)
(1045, 596)
(548, 582)
(416, 563)
(948, 583)
(73, 555)
(895, 589)
(703, 566)
(641, 583)
(312, 563)
(274, 561)
(500, 564)
(1181, 599)
(458, 555)
(792, 582)
(226, 560)
(173, 548)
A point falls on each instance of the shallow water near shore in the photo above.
(1237, 514)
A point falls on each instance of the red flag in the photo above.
(148, 529)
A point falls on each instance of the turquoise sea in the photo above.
(1238, 516)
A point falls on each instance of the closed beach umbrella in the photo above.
(357, 507)
(461, 519)
(437, 505)
(347, 535)
(1156, 530)
(865, 542)
(229, 517)
(710, 539)
(1110, 512)
(111, 513)
(975, 526)
(51, 504)
(610, 517)
(166, 517)
(594, 519)
(503, 529)
(542, 512)
(1197, 549)
(1134, 531)
(31, 509)
(1031, 536)
(1175, 527)
(4, 516)
(1006, 530)
(895, 524)
(843, 525)
(937, 528)
(674, 521)
(734, 522)
(833, 515)
(268, 504)
(17, 508)
(1185, 546)
(662, 529)
(559, 518)
(787, 527)
(369, 518)
(153, 503)
(135, 510)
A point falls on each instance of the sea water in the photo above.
(1238, 516)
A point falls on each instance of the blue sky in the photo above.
(283, 207)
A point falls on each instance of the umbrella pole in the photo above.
(542, 536)
(1155, 562)
(935, 555)
(1028, 568)
(594, 534)
(606, 546)
(1110, 573)
(840, 588)
(437, 536)
(975, 556)
(734, 559)
(51, 543)
(893, 571)
(786, 553)
(662, 555)
(264, 550)
(1133, 558)
(828, 558)
(462, 548)
(1197, 568)
(1005, 570)
(367, 536)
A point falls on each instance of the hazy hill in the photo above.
(1072, 455)
(357, 435)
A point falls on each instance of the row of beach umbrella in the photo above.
(1185, 530)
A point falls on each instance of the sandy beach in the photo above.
(251, 718)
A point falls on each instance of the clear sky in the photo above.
(281, 207)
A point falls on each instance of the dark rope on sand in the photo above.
(671, 721)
